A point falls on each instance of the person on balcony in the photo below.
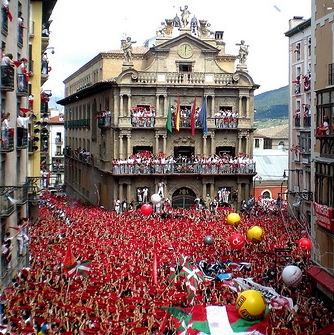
(5, 129)
(324, 127)
(45, 63)
(22, 122)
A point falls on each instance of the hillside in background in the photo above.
(271, 108)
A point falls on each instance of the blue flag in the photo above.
(202, 118)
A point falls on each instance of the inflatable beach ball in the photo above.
(292, 275)
(155, 198)
(305, 244)
(251, 305)
(146, 209)
(233, 219)
(255, 234)
(208, 240)
(237, 241)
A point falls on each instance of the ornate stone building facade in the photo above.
(118, 109)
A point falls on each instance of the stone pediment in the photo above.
(184, 38)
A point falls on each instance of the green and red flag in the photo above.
(215, 320)
(79, 268)
(69, 259)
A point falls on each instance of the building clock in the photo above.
(185, 50)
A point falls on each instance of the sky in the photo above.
(81, 29)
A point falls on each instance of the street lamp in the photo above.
(259, 178)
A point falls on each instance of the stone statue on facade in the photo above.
(243, 52)
(204, 29)
(166, 29)
(184, 16)
(127, 49)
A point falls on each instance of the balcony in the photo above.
(6, 205)
(7, 78)
(185, 78)
(11, 196)
(183, 169)
(307, 121)
(22, 138)
(22, 85)
(7, 140)
(297, 121)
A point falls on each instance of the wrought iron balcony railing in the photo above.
(183, 168)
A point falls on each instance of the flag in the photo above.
(81, 268)
(202, 118)
(215, 320)
(155, 270)
(177, 116)
(190, 274)
(273, 298)
(69, 260)
(24, 110)
(169, 125)
(193, 118)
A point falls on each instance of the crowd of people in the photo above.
(142, 117)
(148, 163)
(123, 268)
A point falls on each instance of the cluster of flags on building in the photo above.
(202, 118)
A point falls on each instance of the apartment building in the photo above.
(22, 47)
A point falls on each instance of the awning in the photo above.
(322, 277)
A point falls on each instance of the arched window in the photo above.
(266, 195)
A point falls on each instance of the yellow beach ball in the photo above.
(233, 219)
(251, 305)
(255, 234)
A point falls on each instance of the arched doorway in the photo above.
(183, 198)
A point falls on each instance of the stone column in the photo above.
(239, 142)
(213, 143)
(203, 190)
(121, 147)
(204, 145)
(128, 147)
(212, 190)
(128, 193)
(120, 192)
(129, 105)
(247, 107)
(157, 109)
(164, 145)
(156, 143)
(212, 107)
(241, 112)
(247, 144)
(121, 107)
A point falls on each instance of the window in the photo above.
(185, 68)
(297, 51)
(267, 143)
(324, 184)
(257, 143)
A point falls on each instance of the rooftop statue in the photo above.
(184, 16)
(243, 52)
(127, 48)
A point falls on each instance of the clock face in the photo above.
(185, 50)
